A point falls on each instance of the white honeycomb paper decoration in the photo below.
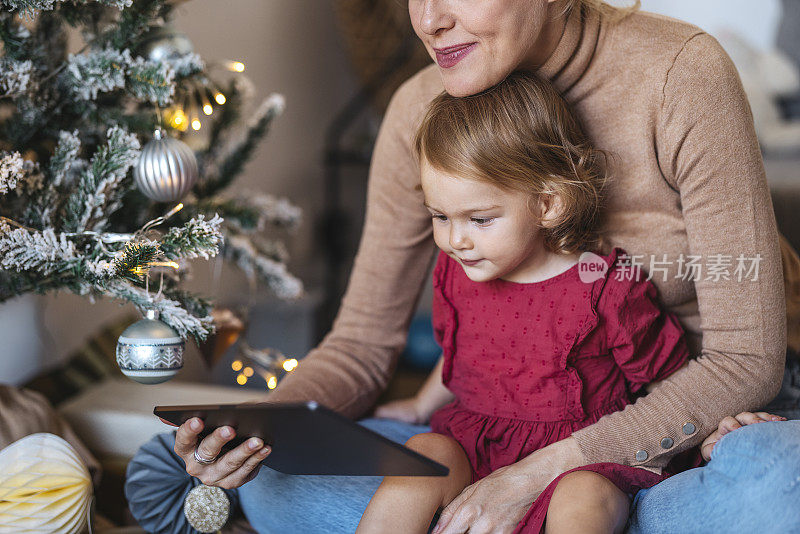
(44, 486)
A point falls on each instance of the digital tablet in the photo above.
(308, 439)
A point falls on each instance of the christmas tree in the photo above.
(84, 205)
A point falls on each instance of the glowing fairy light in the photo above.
(220, 98)
(248, 372)
(196, 124)
(207, 109)
(236, 365)
(289, 365)
(272, 382)
(236, 66)
(241, 379)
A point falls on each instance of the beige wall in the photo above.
(288, 46)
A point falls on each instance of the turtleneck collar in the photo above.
(574, 50)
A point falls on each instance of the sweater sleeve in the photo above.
(708, 153)
(352, 365)
(646, 341)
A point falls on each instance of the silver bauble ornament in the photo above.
(167, 169)
(164, 43)
(149, 351)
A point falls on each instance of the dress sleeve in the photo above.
(708, 152)
(352, 365)
(646, 341)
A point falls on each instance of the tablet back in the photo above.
(309, 439)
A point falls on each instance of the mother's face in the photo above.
(477, 43)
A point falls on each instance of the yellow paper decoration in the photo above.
(44, 486)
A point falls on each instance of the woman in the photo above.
(689, 181)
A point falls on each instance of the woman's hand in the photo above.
(406, 410)
(232, 470)
(498, 502)
(729, 424)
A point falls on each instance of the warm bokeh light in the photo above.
(248, 372)
(196, 124)
(207, 109)
(220, 98)
(289, 365)
(236, 365)
(237, 66)
(177, 119)
(272, 382)
(241, 379)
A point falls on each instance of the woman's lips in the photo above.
(448, 57)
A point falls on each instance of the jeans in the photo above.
(751, 484)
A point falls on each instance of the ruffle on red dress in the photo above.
(530, 363)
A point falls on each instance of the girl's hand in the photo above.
(730, 424)
(497, 503)
(406, 410)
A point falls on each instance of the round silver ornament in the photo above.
(149, 351)
(166, 170)
(207, 508)
(163, 43)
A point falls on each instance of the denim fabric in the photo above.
(275, 503)
(751, 484)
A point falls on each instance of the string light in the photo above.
(236, 365)
(220, 98)
(248, 372)
(208, 109)
(289, 365)
(236, 66)
(241, 379)
(272, 382)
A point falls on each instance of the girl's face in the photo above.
(477, 43)
(478, 221)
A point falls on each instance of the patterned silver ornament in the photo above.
(149, 351)
(167, 169)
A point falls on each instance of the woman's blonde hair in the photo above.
(521, 135)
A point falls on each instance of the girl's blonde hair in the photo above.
(520, 135)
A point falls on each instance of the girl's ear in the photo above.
(548, 209)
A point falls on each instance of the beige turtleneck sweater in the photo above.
(663, 97)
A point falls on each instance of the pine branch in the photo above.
(14, 36)
(151, 81)
(170, 311)
(242, 251)
(233, 164)
(97, 194)
(42, 252)
(197, 238)
(15, 77)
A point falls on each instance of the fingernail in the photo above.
(226, 432)
(194, 425)
(253, 444)
(264, 451)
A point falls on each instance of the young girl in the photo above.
(541, 333)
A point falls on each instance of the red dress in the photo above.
(531, 363)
